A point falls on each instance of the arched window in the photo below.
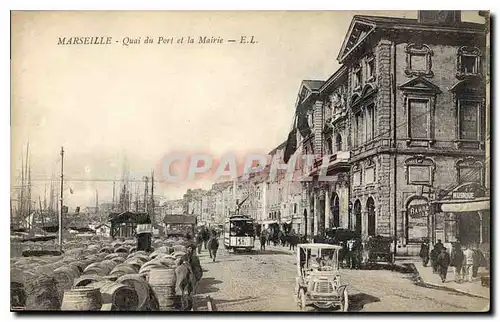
(370, 211)
(335, 213)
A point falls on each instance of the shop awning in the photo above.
(478, 204)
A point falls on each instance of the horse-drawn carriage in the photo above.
(378, 249)
(318, 280)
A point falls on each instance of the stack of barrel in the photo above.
(104, 276)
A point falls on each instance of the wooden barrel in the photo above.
(17, 295)
(141, 287)
(139, 257)
(136, 264)
(124, 269)
(179, 248)
(111, 256)
(162, 283)
(139, 253)
(178, 254)
(122, 249)
(162, 276)
(147, 268)
(112, 277)
(92, 258)
(156, 254)
(123, 297)
(85, 280)
(64, 277)
(81, 264)
(108, 264)
(118, 260)
(97, 270)
(105, 250)
(167, 261)
(82, 299)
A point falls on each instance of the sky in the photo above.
(108, 104)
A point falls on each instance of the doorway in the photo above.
(370, 210)
(357, 216)
(469, 225)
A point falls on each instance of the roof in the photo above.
(313, 85)
(179, 219)
(389, 21)
(342, 71)
(318, 246)
(362, 26)
(128, 216)
(279, 147)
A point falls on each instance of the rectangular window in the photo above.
(419, 174)
(418, 62)
(469, 125)
(357, 78)
(355, 131)
(371, 68)
(418, 110)
(370, 123)
(370, 175)
(469, 65)
(360, 130)
(356, 178)
(466, 175)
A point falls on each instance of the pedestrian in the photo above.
(439, 245)
(424, 252)
(263, 241)
(199, 241)
(479, 261)
(279, 237)
(443, 261)
(213, 245)
(457, 260)
(206, 237)
(468, 263)
(434, 254)
(350, 253)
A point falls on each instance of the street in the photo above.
(264, 281)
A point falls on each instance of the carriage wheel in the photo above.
(344, 306)
(302, 299)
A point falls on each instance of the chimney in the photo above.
(442, 17)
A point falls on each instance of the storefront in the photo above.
(463, 216)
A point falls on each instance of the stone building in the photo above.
(402, 121)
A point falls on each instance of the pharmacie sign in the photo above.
(417, 211)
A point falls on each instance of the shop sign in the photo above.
(463, 195)
(418, 211)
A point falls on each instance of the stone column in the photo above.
(327, 207)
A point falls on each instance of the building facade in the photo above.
(403, 124)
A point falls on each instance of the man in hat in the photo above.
(443, 261)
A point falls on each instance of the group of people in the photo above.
(278, 238)
(208, 239)
(465, 260)
(320, 263)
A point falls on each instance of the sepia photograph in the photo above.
(250, 161)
